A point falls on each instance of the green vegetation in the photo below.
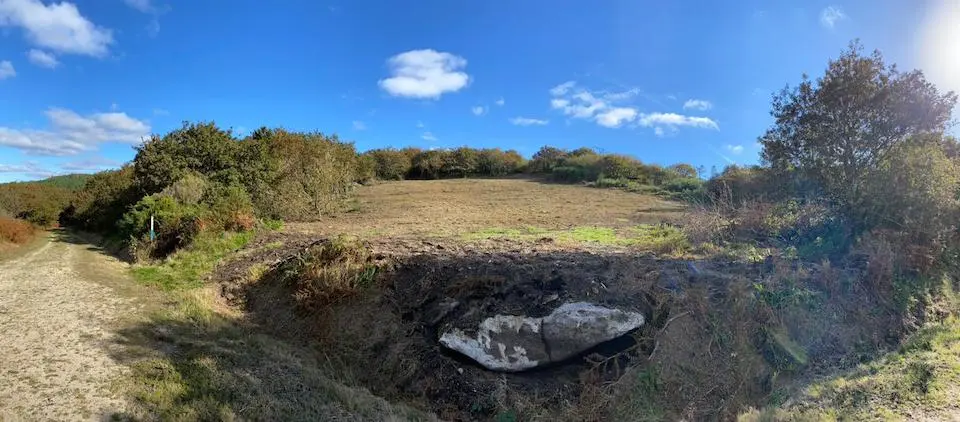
(186, 268)
(658, 238)
(70, 182)
(919, 381)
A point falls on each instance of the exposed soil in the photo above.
(56, 332)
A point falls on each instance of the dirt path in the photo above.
(56, 328)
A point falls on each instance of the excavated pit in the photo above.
(703, 333)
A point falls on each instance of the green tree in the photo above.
(836, 130)
(201, 147)
(546, 159)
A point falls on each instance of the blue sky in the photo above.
(82, 81)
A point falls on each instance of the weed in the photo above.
(640, 403)
(330, 271)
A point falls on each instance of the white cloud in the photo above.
(526, 121)
(358, 125)
(478, 110)
(7, 70)
(425, 74)
(142, 5)
(160, 112)
(614, 109)
(672, 120)
(419, 125)
(562, 89)
(42, 58)
(71, 133)
(153, 28)
(615, 117)
(831, 15)
(501, 102)
(428, 136)
(58, 26)
(735, 149)
(695, 104)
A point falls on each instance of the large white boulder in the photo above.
(512, 343)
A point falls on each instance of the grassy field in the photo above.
(460, 206)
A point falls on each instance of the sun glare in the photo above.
(940, 45)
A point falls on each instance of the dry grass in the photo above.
(15, 231)
(453, 207)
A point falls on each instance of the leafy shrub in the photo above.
(546, 159)
(36, 202)
(199, 147)
(189, 190)
(428, 164)
(620, 167)
(366, 169)
(390, 164)
(914, 189)
(495, 162)
(228, 208)
(175, 224)
(15, 230)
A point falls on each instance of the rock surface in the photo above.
(515, 343)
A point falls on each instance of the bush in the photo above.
(429, 164)
(495, 162)
(36, 202)
(15, 230)
(102, 201)
(228, 208)
(199, 147)
(175, 224)
(390, 164)
(189, 190)
(913, 190)
(546, 159)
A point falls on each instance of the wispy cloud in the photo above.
(419, 125)
(830, 15)
(7, 70)
(694, 104)
(358, 125)
(735, 149)
(42, 58)
(500, 102)
(428, 136)
(478, 110)
(31, 169)
(527, 121)
(425, 74)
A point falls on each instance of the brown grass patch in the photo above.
(15, 231)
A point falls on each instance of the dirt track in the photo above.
(56, 334)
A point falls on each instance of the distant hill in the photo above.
(70, 182)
